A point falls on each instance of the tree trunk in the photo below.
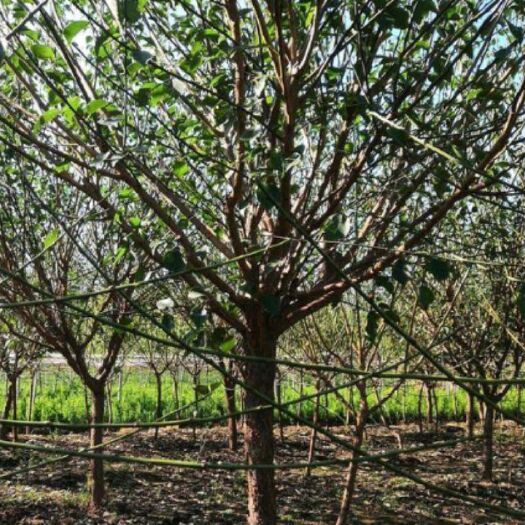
(158, 411)
(4, 429)
(119, 393)
(15, 405)
(110, 402)
(175, 390)
(470, 416)
(350, 408)
(404, 404)
(420, 409)
(313, 435)
(488, 442)
(279, 401)
(455, 399)
(229, 391)
(96, 473)
(351, 476)
(430, 405)
(436, 410)
(31, 400)
(258, 426)
(299, 407)
(196, 405)
(86, 404)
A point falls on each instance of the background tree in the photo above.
(38, 264)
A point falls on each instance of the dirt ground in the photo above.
(140, 494)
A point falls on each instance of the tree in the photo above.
(249, 130)
(39, 264)
(487, 309)
(18, 352)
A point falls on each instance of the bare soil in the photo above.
(141, 494)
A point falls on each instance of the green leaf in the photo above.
(517, 32)
(372, 323)
(337, 228)
(51, 238)
(142, 57)
(74, 28)
(167, 322)
(129, 11)
(439, 268)
(385, 283)
(180, 168)
(43, 52)
(95, 105)
(388, 313)
(228, 345)
(268, 194)
(394, 17)
(422, 9)
(174, 261)
(425, 296)
(271, 303)
(202, 389)
(50, 114)
(400, 136)
(398, 272)
(135, 222)
(198, 317)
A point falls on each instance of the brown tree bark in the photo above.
(31, 400)
(158, 410)
(4, 429)
(299, 406)
(351, 476)
(313, 435)
(488, 443)
(96, 472)
(229, 391)
(278, 392)
(258, 426)
(420, 410)
(430, 405)
(471, 416)
(14, 384)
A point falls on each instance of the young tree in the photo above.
(38, 265)
(243, 127)
(18, 352)
(486, 321)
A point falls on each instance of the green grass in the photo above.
(61, 397)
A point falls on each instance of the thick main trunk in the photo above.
(488, 443)
(96, 472)
(258, 428)
(229, 391)
(351, 476)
